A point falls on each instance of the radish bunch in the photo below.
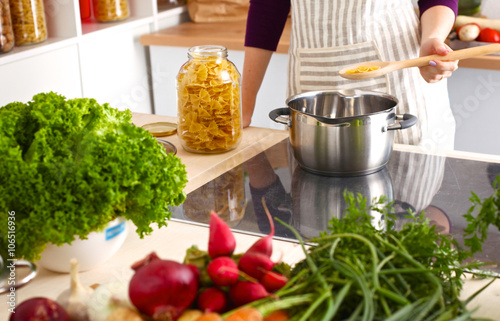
(236, 280)
(162, 290)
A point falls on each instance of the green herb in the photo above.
(476, 231)
(358, 271)
(69, 167)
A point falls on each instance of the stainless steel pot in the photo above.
(324, 196)
(342, 133)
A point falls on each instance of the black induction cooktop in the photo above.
(439, 186)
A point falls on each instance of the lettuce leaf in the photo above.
(68, 167)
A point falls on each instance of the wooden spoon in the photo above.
(388, 66)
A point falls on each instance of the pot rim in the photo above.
(344, 93)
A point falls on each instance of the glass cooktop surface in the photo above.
(439, 186)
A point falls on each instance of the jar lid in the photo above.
(168, 146)
(161, 128)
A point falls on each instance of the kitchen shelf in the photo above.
(231, 34)
(65, 27)
(490, 62)
(101, 60)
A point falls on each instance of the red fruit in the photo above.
(273, 281)
(163, 289)
(40, 309)
(255, 264)
(145, 261)
(264, 245)
(223, 271)
(212, 300)
(489, 35)
(245, 292)
(221, 240)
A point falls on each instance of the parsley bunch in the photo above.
(488, 214)
(360, 271)
(69, 167)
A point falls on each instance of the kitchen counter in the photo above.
(232, 34)
(172, 241)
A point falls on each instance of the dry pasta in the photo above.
(362, 69)
(6, 33)
(110, 10)
(28, 21)
(224, 194)
(208, 96)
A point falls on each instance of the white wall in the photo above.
(474, 99)
(491, 9)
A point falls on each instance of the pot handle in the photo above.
(278, 114)
(20, 264)
(405, 121)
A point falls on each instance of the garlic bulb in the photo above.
(124, 314)
(75, 299)
(107, 298)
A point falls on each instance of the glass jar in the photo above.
(84, 9)
(6, 32)
(28, 21)
(224, 194)
(208, 101)
(110, 10)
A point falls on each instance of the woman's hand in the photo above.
(437, 69)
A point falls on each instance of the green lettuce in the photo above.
(70, 166)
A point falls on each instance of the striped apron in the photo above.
(328, 35)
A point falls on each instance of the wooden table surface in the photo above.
(171, 242)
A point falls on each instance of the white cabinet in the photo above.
(97, 60)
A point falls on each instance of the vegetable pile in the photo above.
(356, 270)
(477, 29)
(69, 167)
(352, 271)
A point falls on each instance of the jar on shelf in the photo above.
(84, 10)
(110, 10)
(28, 21)
(208, 101)
(6, 32)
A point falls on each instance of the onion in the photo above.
(163, 289)
(40, 309)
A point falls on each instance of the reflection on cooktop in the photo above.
(437, 185)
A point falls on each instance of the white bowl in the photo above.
(90, 253)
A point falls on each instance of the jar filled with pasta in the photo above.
(6, 32)
(208, 101)
(224, 194)
(28, 21)
(110, 10)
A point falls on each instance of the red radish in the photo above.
(255, 264)
(41, 309)
(223, 271)
(264, 245)
(163, 289)
(221, 240)
(245, 292)
(212, 300)
(273, 281)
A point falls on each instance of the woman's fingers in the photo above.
(438, 70)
